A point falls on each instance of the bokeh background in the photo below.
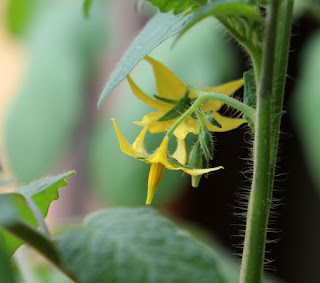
(54, 63)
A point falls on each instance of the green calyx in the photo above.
(181, 106)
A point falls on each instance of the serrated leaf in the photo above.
(43, 192)
(242, 20)
(136, 245)
(11, 220)
(157, 30)
(177, 6)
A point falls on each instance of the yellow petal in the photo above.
(124, 145)
(168, 85)
(196, 172)
(160, 155)
(157, 104)
(155, 176)
(227, 123)
(181, 153)
(189, 125)
(151, 122)
(226, 89)
(138, 143)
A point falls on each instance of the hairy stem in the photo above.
(280, 71)
(259, 201)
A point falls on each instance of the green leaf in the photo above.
(177, 6)
(86, 7)
(307, 105)
(62, 47)
(124, 244)
(42, 192)
(242, 20)
(158, 29)
(11, 220)
(250, 93)
(6, 271)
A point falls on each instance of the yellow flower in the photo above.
(159, 160)
(170, 91)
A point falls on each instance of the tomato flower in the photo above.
(173, 99)
(160, 159)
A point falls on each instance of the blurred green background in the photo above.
(53, 124)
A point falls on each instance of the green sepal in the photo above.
(195, 155)
(171, 101)
(176, 162)
(197, 160)
(206, 143)
(182, 105)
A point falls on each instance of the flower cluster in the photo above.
(172, 102)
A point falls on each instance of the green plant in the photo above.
(136, 244)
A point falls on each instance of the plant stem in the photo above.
(204, 95)
(282, 47)
(259, 201)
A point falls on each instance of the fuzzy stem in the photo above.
(259, 201)
(204, 95)
(282, 46)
